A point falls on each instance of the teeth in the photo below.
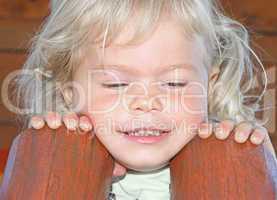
(145, 133)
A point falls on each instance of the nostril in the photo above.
(146, 104)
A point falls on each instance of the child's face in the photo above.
(147, 96)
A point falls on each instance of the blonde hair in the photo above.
(72, 25)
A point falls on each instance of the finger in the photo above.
(258, 135)
(242, 132)
(71, 121)
(53, 120)
(205, 130)
(88, 115)
(85, 124)
(36, 122)
(119, 170)
(223, 129)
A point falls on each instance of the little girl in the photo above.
(147, 76)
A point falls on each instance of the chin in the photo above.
(144, 166)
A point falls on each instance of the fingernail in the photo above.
(220, 134)
(204, 129)
(256, 140)
(56, 123)
(36, 123)
(85, 126)
(239, 137)
(71, 124)
(40, 123)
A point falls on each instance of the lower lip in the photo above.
(146, 139)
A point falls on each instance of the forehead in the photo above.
(165, 46)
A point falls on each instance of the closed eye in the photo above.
(118, 85)
(114, 85)
(176, 84)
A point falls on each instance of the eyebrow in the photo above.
(130, 69)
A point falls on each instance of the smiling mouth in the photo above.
(145, 132)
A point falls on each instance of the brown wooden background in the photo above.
(19, 19)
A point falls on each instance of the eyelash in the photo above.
(170, 84)
(179, 84)
(113, 85)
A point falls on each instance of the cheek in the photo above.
(98, 100)
(102, 103)
(92, 98)
(189, 102)
(194, 105)
(188, 107)
(194, 99)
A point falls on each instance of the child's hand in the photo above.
(54, 120)
(72, 122)
(242, 131)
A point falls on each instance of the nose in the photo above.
(147, 102)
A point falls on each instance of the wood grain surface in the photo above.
(213, 169)
(56, 164)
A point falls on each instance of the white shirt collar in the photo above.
(143, 185)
